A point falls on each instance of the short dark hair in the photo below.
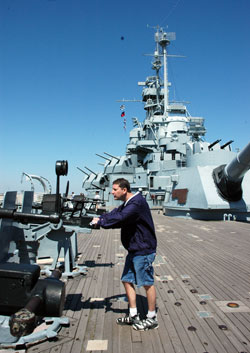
(123, 183)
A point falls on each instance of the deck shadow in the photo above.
(75, 302)
(92, 263)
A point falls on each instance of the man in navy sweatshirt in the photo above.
(139, 239)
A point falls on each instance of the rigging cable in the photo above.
(170, 12)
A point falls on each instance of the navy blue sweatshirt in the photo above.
(136, 223)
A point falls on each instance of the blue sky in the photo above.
(63, 66)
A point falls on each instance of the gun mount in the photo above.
(228, 178)
(36, 296)
(45, 232)
(29, 234)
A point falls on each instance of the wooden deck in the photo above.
(199, 269)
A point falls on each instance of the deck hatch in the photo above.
(237, 307)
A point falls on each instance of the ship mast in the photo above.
(164, 42)
(163, 38)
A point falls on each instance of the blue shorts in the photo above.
(139, 270)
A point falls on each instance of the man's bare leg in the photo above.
(132, 318)
(131, 294)
(151, 297)
(151, 320)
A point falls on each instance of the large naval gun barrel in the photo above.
(228, 178)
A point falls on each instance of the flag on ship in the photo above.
(122, 108)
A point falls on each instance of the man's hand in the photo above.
(94, 222)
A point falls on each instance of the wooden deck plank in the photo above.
(214, 255)
(185, 261)
(110, 331)
(190, 306)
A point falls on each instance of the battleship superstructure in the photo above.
(168, 160)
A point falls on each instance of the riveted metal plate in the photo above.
(185, 276)
(160, 260)
(204, 314)
(205, 296)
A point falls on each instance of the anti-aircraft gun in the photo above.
(25, 236)
(46, 233)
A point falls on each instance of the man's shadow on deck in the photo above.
(93, 263)
(74, 302)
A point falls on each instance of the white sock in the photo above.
(151, 314)
(132, 311)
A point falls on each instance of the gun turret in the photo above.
(228, 178)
